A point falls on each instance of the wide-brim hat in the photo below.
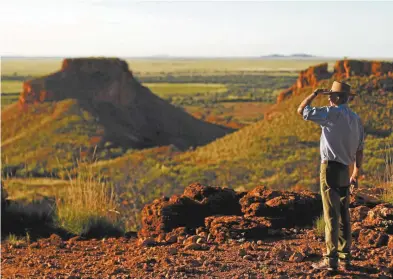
(341, 88)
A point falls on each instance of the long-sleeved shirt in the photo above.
(342, 132)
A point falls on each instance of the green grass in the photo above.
(18, 241)
(10, 90)
(89, 205)
(11, 86)
(180, 89)
(319, 226)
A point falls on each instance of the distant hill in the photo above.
(89, 103)
(292, 56)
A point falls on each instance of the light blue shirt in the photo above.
(342, 132)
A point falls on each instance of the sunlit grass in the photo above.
(319, 226)
(88, 205)
(11, 86)
(178, 89)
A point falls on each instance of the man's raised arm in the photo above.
(308, 100)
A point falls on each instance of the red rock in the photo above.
(226, 227)
(390, 242)
(223, 201)
(371, 238)
(188, 210)
(163, 215)
(380, 216)
(358, 214)
(348, 68)
(297, 257)
(293, 208)
(309, 77)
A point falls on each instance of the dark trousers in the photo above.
(334, 178)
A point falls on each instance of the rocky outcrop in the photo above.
(130, 113)
(225, 213)
(309, 77)
(373, 227)
(222, 228)
(288, 208)
(342, 69)
(216, 200)
(188, 210)
(348, 67)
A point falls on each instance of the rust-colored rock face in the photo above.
(288, 208)
(256, 211)
(236, 227)
(188, 210)
(131, 114)
(83, 78)
(342, 69)
(309, 77)
(223, 201)
(312, 75)
(347, 68)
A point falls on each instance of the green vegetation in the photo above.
(11, 86)
(173, 89)
(89, 205)
(387, 196)
(277, 149)
(319, 226)
(17, 241)
(10, 91)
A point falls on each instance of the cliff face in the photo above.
(84, 78)
(131, 114)
(309, 77)
(342, 69)
(347, 68)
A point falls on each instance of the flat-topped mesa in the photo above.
(104, 79)
(346, 68)
(111, 65)
(309, 77)
(130, 113)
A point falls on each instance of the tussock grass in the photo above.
(89, 205)
(387, 196)
(319, 226)
(17, 241)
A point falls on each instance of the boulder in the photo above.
(222, 201)
(372, 238)
(163, 215)
(188, 210)
(380, 217)
(234, 227)
(358, 214)
(294, 208)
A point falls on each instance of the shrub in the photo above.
(319, 226)
(88, 207)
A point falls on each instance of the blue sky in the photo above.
(126, 28)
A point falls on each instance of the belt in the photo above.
(333, 163)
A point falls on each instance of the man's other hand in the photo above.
(353, 183)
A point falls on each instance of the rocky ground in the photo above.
(210, 232)
(286, 256)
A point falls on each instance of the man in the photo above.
(341, 145)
